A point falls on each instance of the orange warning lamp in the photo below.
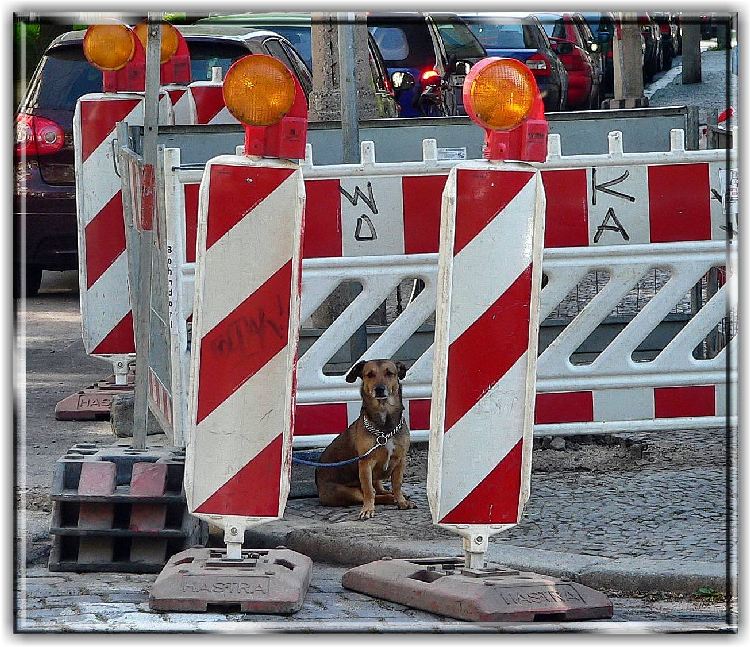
(115, 50)
(501, 96)
(266, 97)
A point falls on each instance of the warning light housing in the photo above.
(175, 56)
(122, 71)
(266, 97)
(501, 96)
(109, 47)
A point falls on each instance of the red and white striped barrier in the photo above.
(206, 101)
(106, 314)
(180, 98)
(245, 336)
(486, 329)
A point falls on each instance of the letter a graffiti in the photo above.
(606, 227)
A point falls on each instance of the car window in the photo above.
(458, 41)
(205, 54)
(583, 28)
(403, 43)
(64, 75)
(299, 37)
(509, 36)
(553, 26)
(392, 43)
(300, 68)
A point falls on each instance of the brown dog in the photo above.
(381, 433)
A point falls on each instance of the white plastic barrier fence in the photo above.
(378, 224)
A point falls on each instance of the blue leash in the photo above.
(380, 441)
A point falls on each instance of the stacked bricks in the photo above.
(117, 509)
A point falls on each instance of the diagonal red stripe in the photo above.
(175, 95)
(191, 220)
(480, 196)
(487, 349)
(254, 490)
(242, 343)
(105, 239)
(209, 100)
(98, 120)
(235, 191)
(120, 339)
(496, 498)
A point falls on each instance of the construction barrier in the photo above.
(206, 101)
(485, 350)
(623, 214)
(244, 342)
(106, 313)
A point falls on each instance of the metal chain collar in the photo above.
(381, 437)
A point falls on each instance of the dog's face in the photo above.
(381, 388)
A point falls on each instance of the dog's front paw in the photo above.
(366, 513)
(406, 504)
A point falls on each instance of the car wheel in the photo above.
(33, 281)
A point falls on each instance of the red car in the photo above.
(580, 55)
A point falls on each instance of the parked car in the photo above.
(602, 27)
(522, 37)
(580, 55)
(296, 28)
(44, 207)
(653, 54)
(429, 55)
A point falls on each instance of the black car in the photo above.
(44, 206)
(428, 57)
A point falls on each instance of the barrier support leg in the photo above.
(475, 549)
(233, 537)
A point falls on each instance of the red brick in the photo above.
(98, 478)
(148, 516)
(148, 479)
(96, 515)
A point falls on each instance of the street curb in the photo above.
(627, 575)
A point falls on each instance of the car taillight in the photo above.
(539, 65)
(665, 29)
(37, 136)
(430, 77)
(610, 53)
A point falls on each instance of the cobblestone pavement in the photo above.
(107, 602)
(662, 497)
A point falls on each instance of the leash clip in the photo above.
(381, 440)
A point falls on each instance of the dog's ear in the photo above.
(355, 372)
(401, 370)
